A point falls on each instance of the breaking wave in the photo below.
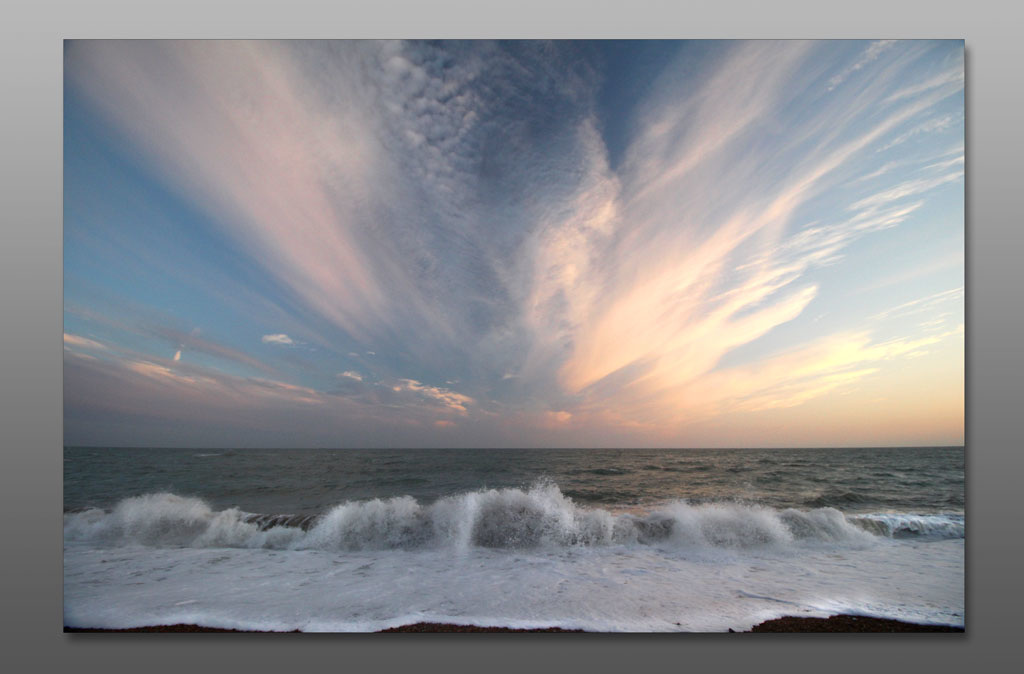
(499, 518)
(899, 525)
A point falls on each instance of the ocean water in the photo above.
(604, 540)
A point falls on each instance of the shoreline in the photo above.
(833, 624)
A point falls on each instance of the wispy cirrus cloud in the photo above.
(870, 53)
(934, 124)
(922, 305)
(80, 342)
(802, 374)
(177, 341)
(353, 202)
(121, 388)
(705, 276)
(904, 190)
(192, 341)
(454, 207)
(951, 79)
(232, 125)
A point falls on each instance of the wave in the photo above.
(498, 518)
(900, 525)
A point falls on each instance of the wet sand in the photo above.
(847, 623)
(836, 623)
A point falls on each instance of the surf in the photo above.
(537, 517)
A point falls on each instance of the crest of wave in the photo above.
(538, 517)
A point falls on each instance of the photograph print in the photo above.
(433, 336)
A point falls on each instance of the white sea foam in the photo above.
(511, 519)
(518, 557)
(898, 525)
(605, 588)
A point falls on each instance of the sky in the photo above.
(513, 244)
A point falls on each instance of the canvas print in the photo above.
(601, 336)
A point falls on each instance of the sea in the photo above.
(605, 540)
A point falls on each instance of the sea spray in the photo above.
(638, 540)
(503, 519)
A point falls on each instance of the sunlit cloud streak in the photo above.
(231, 125)
(77, 341)
(641, 345)
(130, 386)
(922, 305)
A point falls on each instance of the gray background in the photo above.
(31, 346)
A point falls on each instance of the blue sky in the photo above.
(381, 244)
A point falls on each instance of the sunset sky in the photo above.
(524, 244)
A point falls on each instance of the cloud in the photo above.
(870, 53)
(454, 207)
(904, 190)
(669, 326)
(237, 127)
(277, 339)
(203, 384)
(190, 404)
(934, 124)
(434, 395)
(558, 418)
(883, 169)
(950, 80)
(191, 341)
(925, 304)
(179, 340)
(830, 365)
(82, 342)
(947, 163)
